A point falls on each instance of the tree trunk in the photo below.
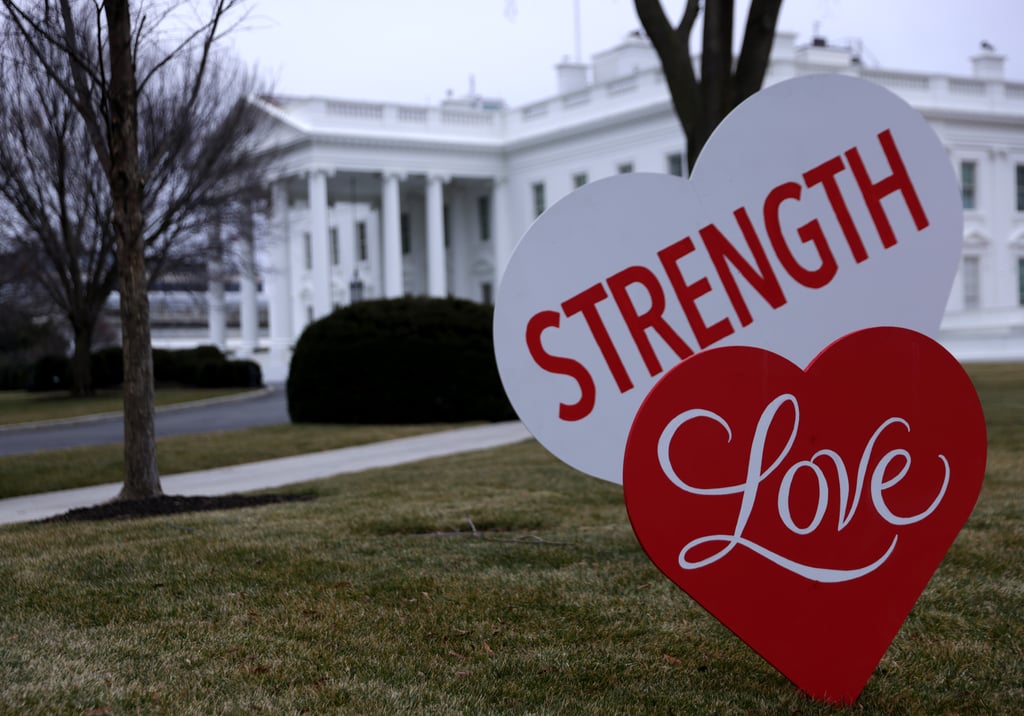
(142, 477)
(702, 105)
(716, 78)
(81, 361)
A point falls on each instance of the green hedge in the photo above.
(205, 367)
(50, 373)
(14, 376)
(107, 368)
(407, 360)
(202, 367)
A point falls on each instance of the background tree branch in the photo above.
(702, 105)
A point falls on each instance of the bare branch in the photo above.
(757, 47)
(673, 48)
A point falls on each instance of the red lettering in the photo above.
(762, 279)
(898, 181)
(825, 174)
(586, 303)
(638, 323)
(560, 365)
(809, 233)
(688, 293)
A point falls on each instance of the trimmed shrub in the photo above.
(107, 367)
(50, 373)
(229, 374)
(407, 360)
(205, 367)
(202, 367)
(14, 376)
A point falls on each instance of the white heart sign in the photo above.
(820, 206)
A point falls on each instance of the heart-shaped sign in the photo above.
(808, 510)
(820, 206)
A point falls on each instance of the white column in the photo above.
(998, 203)
(216, 316)
(391, 226)
(322, 303)
(279, 276)
(501, 232)
(437, 279)
(248, 307)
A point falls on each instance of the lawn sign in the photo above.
(749, 353)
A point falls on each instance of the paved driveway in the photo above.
(236, 413)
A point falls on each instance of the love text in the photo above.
(873, 472)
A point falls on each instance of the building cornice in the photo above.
(626, 98)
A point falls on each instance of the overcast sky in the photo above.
(415, 50)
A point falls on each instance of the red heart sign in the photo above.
(807, 510)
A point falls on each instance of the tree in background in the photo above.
(26, 333)
(702, 104)
(55, 199)
(112, 60)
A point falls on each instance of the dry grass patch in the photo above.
(379, 598)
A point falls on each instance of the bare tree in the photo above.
(702, 104)
(26, 332)
(117, 60)
(54, 192)
(54, 200)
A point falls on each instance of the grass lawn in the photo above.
(19, 406)
(494, 582)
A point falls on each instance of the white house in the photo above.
(377, 199)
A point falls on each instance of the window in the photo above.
(307, 246)
(1020, 282)
(626, 168)
(1020, 187)
(444, 225)
(406, 239)
(538, 199)
(487, 292)
(967, 184)
(675, 164)
(483, 210)
(579, 180)
(335, 249)
(971, 278)
(361, 249)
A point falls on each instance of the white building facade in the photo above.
(376, 200)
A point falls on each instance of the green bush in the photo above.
(407, 360)
(14, 376)
(204, 367)
(107, 366)
(50, 373)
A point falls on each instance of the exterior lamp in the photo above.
(355, 287)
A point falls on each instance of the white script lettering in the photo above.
(757, 472)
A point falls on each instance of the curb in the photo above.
(96, 417)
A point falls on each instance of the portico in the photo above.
(339, 235)
(378, 200)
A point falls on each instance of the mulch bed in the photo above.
(171, 505)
